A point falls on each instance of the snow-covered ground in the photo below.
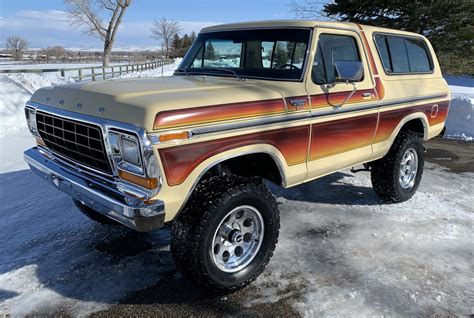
(45, 66)
(341, 250)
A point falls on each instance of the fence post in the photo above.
(112, 69)
(162, 68)
(120, 70)
(63, 73)
(93, 74)
(79, 71)
(103, 73)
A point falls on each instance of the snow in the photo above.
(350, 254)
(45, 66)
(341, 250)
(15, 90)
(167, 70)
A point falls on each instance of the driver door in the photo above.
(344, 116)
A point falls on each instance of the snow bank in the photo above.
(15, 90)
(460, 122)
(167, 70)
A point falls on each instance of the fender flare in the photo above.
(211, 162)
(406, 119)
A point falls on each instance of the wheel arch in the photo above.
(416, 122)
(200, 171)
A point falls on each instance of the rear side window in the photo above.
(332, 48)
(403, 55)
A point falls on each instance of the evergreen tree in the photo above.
(280, 57)
(210, 53)
(192, 37)
(176, 44)
(449, 25)
(186, 42)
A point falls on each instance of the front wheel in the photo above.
(227, 233)
(396, 177)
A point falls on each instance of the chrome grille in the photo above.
(77, 141)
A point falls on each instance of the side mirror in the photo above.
(349, 71)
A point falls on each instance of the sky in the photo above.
(45, 23)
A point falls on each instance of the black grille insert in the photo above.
(74, 140)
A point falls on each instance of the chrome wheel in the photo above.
(237, 239)
(408, 168)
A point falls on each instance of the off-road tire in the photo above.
(94, 215)
(385, 172)
(194, 228)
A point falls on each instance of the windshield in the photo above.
(269, 54)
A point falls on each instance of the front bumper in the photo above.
(99, 197)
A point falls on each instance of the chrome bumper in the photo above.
(140, 216)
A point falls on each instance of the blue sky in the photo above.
(44, 22)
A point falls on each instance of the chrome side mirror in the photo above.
(349, 71)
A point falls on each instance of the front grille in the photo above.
(77, 141)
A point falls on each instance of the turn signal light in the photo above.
(40, 142)
(174, 136)
(148, 183)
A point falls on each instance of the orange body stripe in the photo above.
(180, 161)
(209, 114)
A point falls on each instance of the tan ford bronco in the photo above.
(282, 101)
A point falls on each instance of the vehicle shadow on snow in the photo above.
(331, 189)
(82, 260)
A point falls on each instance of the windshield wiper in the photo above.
(226, 70)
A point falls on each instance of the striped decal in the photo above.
(378, 83)
(180, 161)
(334, 137)
(209, 114)
(342, 135)
(389, 120)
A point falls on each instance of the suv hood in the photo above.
(137, 101)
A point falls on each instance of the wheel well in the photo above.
(416, 126)
(251, 165)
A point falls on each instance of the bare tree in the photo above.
(307, 9)
(88, 13)
(165, 30)
(57, 52)
(16, 46)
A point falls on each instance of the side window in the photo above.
(403, 55)
(383, 52)
(417, 56)
(332, 48)
(398, 52)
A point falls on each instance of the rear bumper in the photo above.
(139, 216)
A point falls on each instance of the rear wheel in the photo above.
(94, 215)
(226, 234)
(396, 177)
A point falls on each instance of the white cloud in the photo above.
(49, 15)
(52, 27)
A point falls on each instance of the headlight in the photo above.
(30, 114)
(126, 152)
